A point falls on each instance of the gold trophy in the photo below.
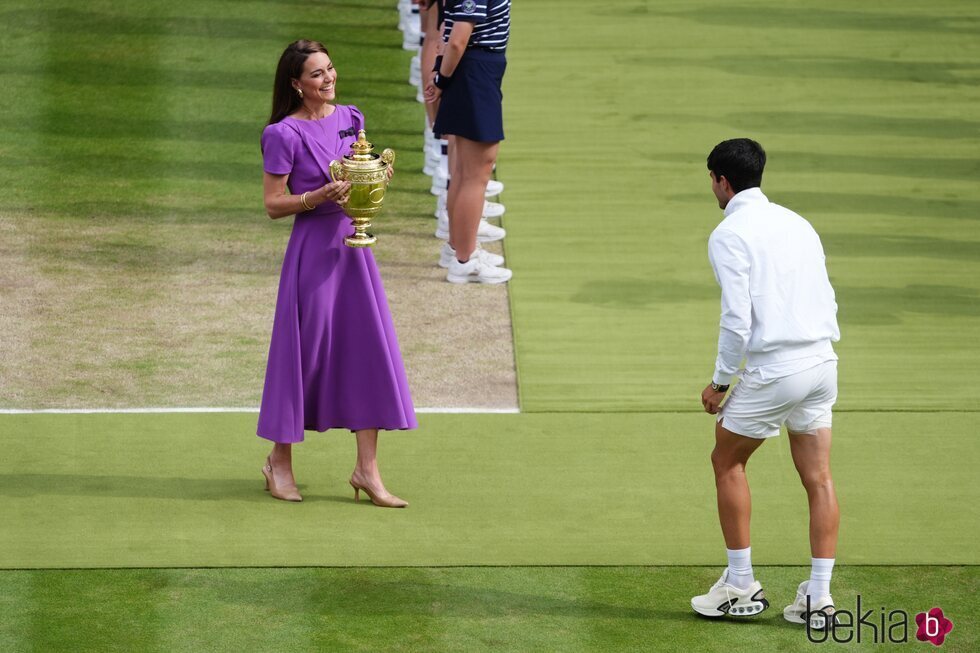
(368, 176)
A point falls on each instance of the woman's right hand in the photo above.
(336, 191)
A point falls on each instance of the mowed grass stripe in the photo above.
(176, 490)
(513, 609)
(868, 117)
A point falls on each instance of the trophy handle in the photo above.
(388, 156)
(336, 170)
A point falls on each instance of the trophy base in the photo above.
(360, 240)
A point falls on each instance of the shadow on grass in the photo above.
(864, 245)
(155, 487)
(641, 293)
(820, 68)
(800, 123)
(69, 23)
(791, 18)
(132, 487)
(816, 162)
(873, 305)
(814, 203)
(883, 306)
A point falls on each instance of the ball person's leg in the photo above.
(474, 165)
(811, 455)
(453, 194)
(731, 453)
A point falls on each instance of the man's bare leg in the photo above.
(811, 455)
(729, 457)
(737, 593)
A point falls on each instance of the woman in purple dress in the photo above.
(334, 360)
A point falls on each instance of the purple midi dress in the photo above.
(334, 360)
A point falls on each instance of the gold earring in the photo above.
(300, 91)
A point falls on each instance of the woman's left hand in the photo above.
(391, 172)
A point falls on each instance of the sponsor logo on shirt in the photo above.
(468, 6)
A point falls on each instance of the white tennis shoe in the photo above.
(818, 612)
(724, 599)
(432, 160)
(476, 270)
(485, 233)
(493, 209)
(415, 71)
(447, 255)
(494, 188)
(440, 182)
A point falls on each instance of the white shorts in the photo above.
(801, 401)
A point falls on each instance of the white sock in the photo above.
(820, 572)
(740, 568)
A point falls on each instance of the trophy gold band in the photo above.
(367, 173)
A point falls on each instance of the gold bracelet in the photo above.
(306, 204)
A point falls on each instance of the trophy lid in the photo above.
(361, 150)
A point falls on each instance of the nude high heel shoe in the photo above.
(390, 501)
(284, 493)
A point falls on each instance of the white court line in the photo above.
(209, 409)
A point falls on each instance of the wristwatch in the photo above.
(720, 388)
(441, 81)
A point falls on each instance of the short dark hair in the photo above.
(740, 161)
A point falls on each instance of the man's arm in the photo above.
(730, 262)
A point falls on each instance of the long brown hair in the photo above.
(285, 99)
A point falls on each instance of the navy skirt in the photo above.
(471, 106)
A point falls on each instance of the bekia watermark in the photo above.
(881, 626)
(933, 626)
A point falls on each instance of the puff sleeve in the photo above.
(278, 149)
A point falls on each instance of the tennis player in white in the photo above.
(778, 312)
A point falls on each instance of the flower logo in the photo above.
(933, 626)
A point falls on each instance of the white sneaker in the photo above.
(819, 612)
(494, 188)
(440, 182)
(412, 32)
(415, 71)
(492, 209)
(431, 162)
(476, 271)
(441, 205)
(485, 233)
(447, 255)
(412, 38)
(404, 11)
(724, 599)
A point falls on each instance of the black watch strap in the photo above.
(720, 388)
(442, 81)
